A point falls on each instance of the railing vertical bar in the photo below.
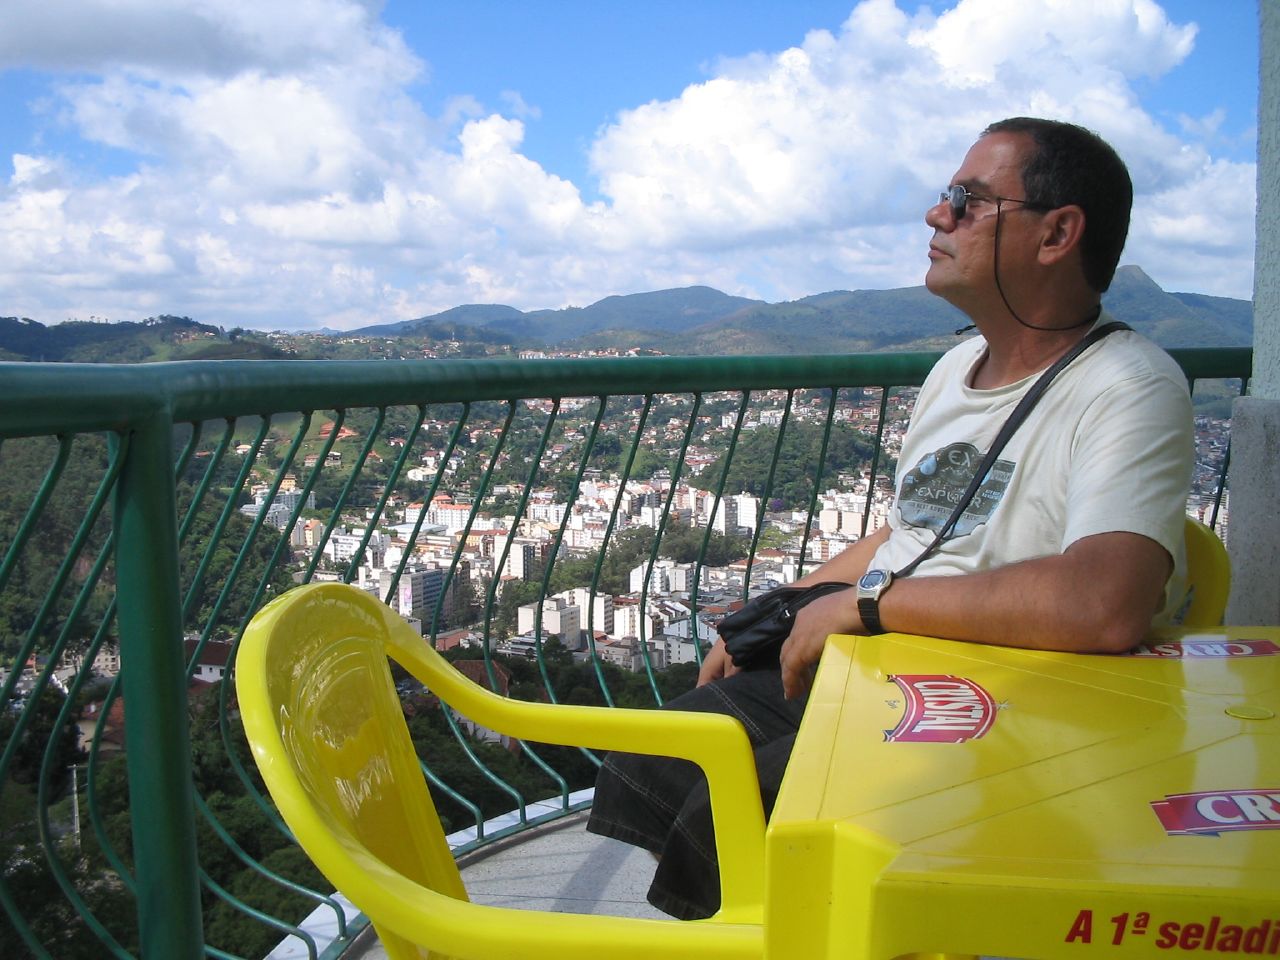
(48, 764)
(387, 490)
(477, 501)
(228, 508)
(587, 448)
(875, 459)
(91, 780)
(698, 563)
(608, 534)
(277, 552)
(23, 532)
(505, 553)
(422, 516)
(155, 682)
(197, 497)
(817, 481)
(674, 481)
(521, 507)
(1226, 464)
(339, 420)
(743, 405)
(374, 434)
(573, 498)
(767, 491)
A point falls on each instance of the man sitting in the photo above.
(1076, 542)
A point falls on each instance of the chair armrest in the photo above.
(718, 744)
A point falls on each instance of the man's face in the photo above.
(961, 268)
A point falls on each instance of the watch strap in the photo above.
(869, 614)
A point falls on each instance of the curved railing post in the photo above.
(158, 743)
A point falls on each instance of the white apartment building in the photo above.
(628, 653)
(597, 611)
(667, 577)
(416, 593)
(734, 515)
(282, 506)
(451, 516)
(525, 558)
(677, 649)
(547, 512)
(343, 545)
(630, 620)
(560, 619)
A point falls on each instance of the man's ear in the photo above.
(1063, 229)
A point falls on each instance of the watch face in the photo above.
(872, 579)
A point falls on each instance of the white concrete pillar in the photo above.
(1253, 537)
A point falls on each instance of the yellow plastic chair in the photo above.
(326, 728)
(1208, 577)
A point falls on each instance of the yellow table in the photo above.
(968, 799)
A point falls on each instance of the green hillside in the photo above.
(696, 321)
(153, 339)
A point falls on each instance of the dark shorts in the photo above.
(662, 803)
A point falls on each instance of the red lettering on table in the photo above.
(942, 709)
(1213, 812)
(1219, 648)
(1082, 929)
(1260, 939)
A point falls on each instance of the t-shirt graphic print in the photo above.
(933, 487)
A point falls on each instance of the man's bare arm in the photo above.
(1097, 597)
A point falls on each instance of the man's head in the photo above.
(1070, 165)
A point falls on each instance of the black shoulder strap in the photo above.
(1028, 401)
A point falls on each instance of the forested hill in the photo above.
(156, 338)
(692, 320)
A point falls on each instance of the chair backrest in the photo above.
(1208, 577)
(328, 733)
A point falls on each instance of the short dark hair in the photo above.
(1072, 165)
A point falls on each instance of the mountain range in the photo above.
(690, 320)
(710, 322)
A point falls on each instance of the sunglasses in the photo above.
(957, 196)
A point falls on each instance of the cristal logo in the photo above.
(1214, 812)
(942, 709)
(1208, 646)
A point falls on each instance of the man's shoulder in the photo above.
(963, 354)
(1128, 355)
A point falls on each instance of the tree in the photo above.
(848, 450)
(41, 728)
(683, 544)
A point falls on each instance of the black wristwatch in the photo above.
(871, 585)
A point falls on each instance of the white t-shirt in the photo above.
(1109, 447)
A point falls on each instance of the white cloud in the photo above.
(286, 175)
(1192, 235)
(184, 38)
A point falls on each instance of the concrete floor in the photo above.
(560, 868)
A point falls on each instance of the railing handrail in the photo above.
(48, 397)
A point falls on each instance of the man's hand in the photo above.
(834, 613)
(716, 664)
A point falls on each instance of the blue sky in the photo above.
(336, 163)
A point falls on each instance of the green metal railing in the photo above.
(126, 525)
